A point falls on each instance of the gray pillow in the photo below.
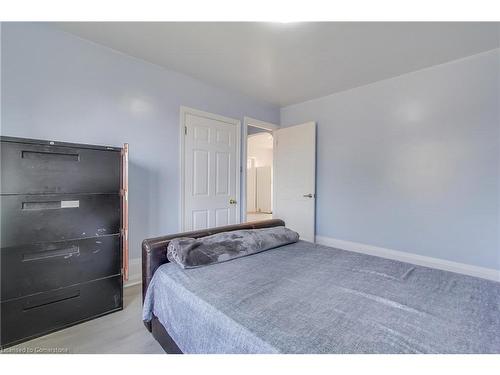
(190, 252)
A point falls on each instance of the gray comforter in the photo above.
(306, 298)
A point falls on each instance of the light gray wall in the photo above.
(412, 163)
(57, 86)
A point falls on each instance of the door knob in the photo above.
(232, 201)
(308, 195)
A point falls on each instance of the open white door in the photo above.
(295, 178)
(211, 170)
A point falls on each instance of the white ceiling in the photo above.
(290, 63)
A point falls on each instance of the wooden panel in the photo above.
(124, 206)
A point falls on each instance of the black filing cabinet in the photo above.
(61, 235)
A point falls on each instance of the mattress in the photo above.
(307, 298)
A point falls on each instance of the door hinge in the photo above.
(185, 130)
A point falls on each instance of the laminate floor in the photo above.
(119, 332)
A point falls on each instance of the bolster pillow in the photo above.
(191, 253)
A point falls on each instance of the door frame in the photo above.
(258, 124)
(182, 124)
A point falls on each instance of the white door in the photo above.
(295, 178)
(251, 187)
(211, 170)
(264, 189)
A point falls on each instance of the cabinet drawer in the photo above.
(33, 316)
(47, 218)
(31, 269)
(36, 169)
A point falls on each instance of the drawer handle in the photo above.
(50, 205)
(40, 155)
(50, 300)
(73, 250)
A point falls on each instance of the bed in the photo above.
(308, 298)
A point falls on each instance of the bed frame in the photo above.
(154, 254)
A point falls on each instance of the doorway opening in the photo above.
(259, 192)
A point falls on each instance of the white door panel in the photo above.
(201, 163)
(222, 173)
(200, 219)
(264, 189)
(295, 178)
(251, 188)
(222, 217)
(211, 172)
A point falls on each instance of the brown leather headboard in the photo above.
(154, 250)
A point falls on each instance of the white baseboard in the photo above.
(420, 260)
(134, 272)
